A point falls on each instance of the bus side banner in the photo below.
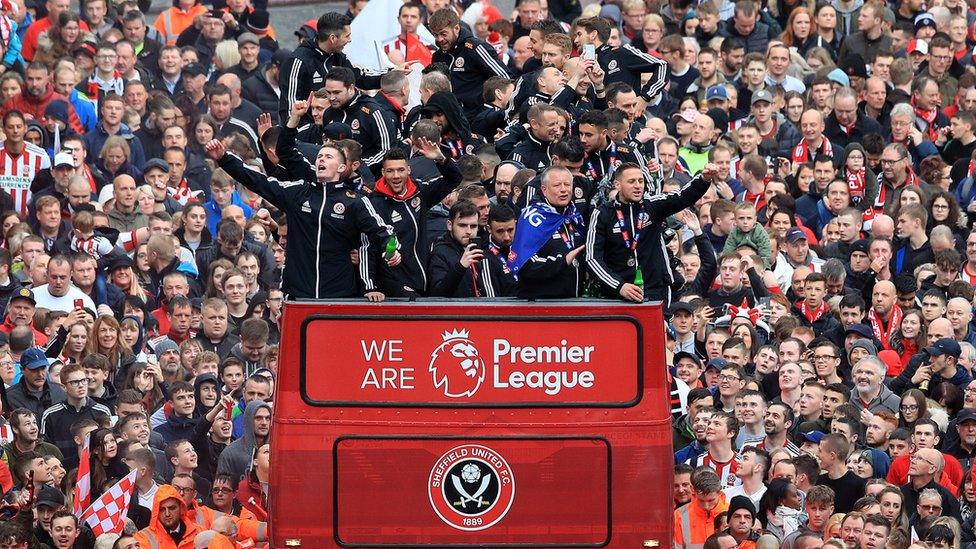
(481, 362)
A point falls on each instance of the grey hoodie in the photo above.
(236, 458)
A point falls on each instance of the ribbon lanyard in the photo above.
(568, 239)
(631, 245)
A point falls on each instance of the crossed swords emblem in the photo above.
(473, 498)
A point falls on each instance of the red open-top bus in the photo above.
(471, 424)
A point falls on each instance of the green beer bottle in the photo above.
(639, 278)
(391, 248)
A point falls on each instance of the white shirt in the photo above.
(740, 491)
(64, 303)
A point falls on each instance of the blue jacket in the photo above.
(214, 212)
(12, 55)
(95, 139)
(84, 109)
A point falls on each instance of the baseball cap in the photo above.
(195, 69)
(862, 330)
(86, 48)
(795, 234)
(33, 359)
(685, 354)
(24, 293)
(156, 163)
(966, 414)
(119, 261)
(64, 159)
(923, 20)
(248, 38)
(279, 57)
(717, 92)
(716, 363)
(681, 306)
(838, 76)
(945, 346)
(49, 496)
(813, 436)
(688, 115)
(720, 118)
(860, 245)
(761, 95)
(854, 65)
(917, 46)
(337, 131)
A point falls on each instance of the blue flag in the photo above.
(535, 227)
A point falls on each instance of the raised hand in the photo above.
(430, 150)
(264, 123)
(215, 149)
(300, 107)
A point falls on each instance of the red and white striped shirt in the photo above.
(726, 470)
(964, 274)
(16, 175)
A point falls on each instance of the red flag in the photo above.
(417, 51)
(107, 514)
(82, 497)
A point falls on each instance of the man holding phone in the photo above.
(457, 267)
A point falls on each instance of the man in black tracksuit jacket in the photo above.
(402, 202)
(472, 61)
(373, 126)
(533, 151)
(628, 230)
(448, 275)
(456, 139)
(626, 63)
(566, 153)
(305, 71)
(326, 219)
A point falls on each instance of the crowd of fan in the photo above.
(794, 182)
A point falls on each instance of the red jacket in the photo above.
(252, 497)
(952, 473)
(39, 338)
(34, 106)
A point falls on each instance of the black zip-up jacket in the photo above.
(305, 72)
(472, 61)
(448, 278)
(325, 223)
(407, 215)
(56, 425)
(18, 396)
(532, 153)
(376, 128)
(596, 166)
(613, 264)
(627, 64)
(546, 275)
(488, 121)
(259, 91)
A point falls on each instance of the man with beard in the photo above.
(472, 61)
(778, 423)
(869, 392)
(456, 136)
(457, 264)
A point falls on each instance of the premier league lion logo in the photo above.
(456, 366)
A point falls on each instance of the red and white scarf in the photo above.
(856, 184)
(884, 334)
(910, 180)
(928, 116)
(801, 153)
(812, 315)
